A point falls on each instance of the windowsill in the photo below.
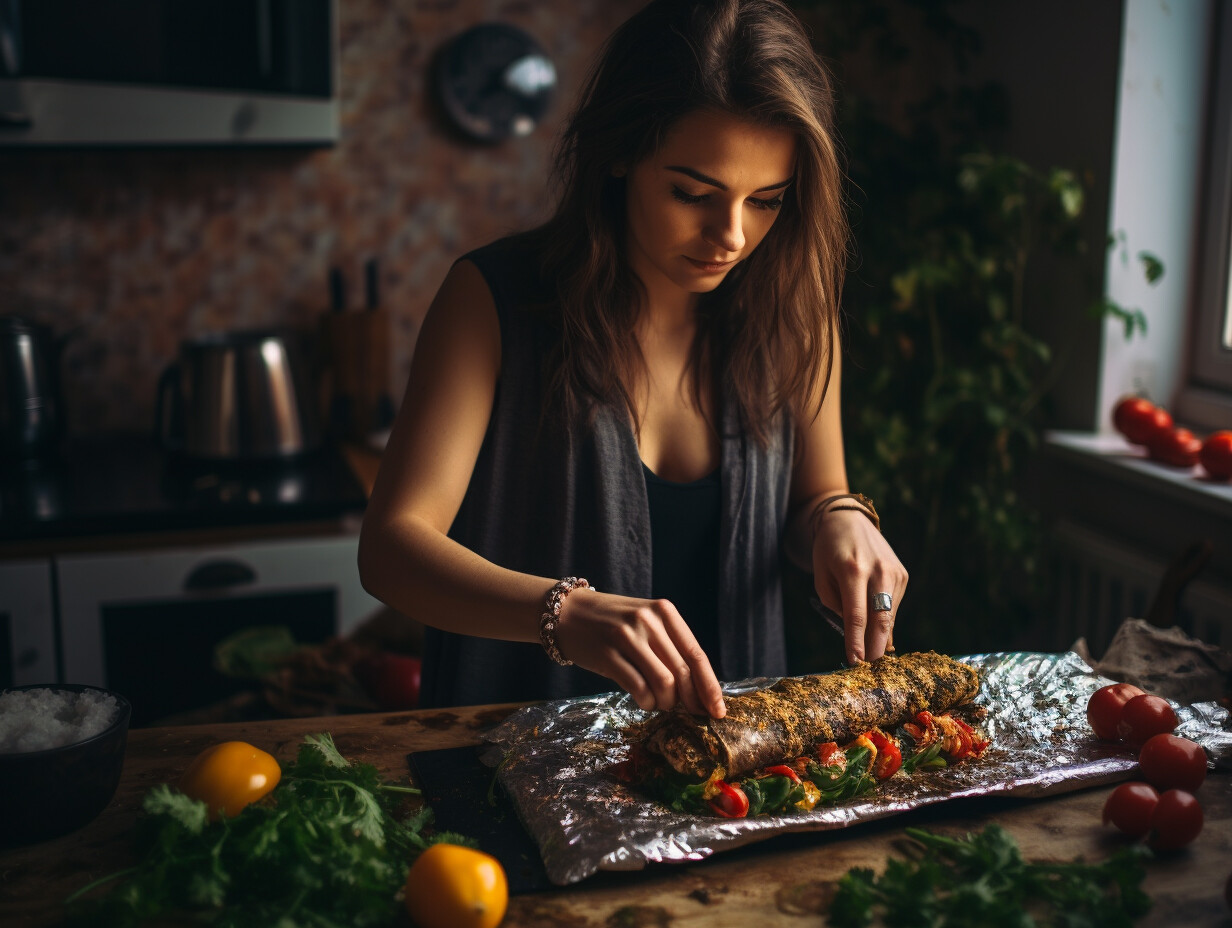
(1111, 457)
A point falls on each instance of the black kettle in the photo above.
(31, 408)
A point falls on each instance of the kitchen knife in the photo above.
(833, 619)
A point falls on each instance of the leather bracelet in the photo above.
(865, 506)
(552, 603)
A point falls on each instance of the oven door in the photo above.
(145, 624)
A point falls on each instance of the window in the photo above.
(1205, 398)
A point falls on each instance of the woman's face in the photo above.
(705, 200)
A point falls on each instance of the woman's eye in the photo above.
(683, 197)
(757, 202)
(767, 204)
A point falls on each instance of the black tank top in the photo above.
(684, 551)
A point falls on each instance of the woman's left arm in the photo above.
(847, 554)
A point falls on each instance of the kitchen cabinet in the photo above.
(27, 623)
(123, 566)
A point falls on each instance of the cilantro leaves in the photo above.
(982, 880)
(330, 850)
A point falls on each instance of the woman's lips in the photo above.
(710, 267)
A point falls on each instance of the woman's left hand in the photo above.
(852, 562)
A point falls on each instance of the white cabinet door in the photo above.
(89, 584)
(27, 623)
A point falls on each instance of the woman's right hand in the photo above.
(644, 646)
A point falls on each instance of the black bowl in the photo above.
(45, 794)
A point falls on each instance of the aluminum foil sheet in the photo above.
(556, 758)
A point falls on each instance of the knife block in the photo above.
(357, 361)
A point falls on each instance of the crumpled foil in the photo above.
(556, 758)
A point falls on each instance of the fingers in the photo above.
(699, 681)
(879, 637)
(632, 682)
(854, 597)
(852, 563)
(635, 683)
(674, 642)
(880, 627)
(646, 647)
(869, 630)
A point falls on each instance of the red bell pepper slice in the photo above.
(889, 756)
(831, 755)
(783, 770)
(978, 744)
(731, 801)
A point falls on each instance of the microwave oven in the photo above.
(168, 72)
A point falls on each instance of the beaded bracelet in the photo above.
(865, 506)
(551, 614)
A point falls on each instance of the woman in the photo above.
(643, 392)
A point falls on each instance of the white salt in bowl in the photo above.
(61, 754)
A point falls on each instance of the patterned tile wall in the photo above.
(130, 251)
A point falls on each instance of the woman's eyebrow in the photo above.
(705, 179)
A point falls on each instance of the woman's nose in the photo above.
(726, 230)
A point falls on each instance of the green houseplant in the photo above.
(945, 387)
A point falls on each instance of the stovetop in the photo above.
(120, 483)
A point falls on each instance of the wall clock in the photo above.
(494, 81)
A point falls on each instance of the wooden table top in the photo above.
(775, 883)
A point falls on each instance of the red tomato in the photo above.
(731, 801)
(390, 680)
(1128, 411)
(1177, 447)
(1139, 420)
(1216, 455)
(1131, 808)
(1144, 716)
(1104, 708)
(1177, 820)
(1169, 762)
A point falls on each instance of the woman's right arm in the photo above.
(407, 560)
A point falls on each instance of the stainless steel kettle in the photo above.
(240, 395)
(31, 409)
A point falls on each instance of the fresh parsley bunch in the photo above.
(982, 880)
(330, 850)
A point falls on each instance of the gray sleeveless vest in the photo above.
(558, 502)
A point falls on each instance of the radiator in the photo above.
(1098, 582)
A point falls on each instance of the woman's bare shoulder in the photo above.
(463, 309)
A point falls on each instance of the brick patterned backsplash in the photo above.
(129, 251)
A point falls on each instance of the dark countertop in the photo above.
(125, 483)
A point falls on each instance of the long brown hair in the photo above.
(769, 328)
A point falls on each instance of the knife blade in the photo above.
(833, 619)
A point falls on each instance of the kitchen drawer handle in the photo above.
(219, 575)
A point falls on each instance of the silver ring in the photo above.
(883, 602)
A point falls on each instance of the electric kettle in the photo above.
(31, 409)
(240, 395)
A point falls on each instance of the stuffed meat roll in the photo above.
(796, 714)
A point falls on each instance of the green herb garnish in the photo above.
(327, 848)
(982, 880)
